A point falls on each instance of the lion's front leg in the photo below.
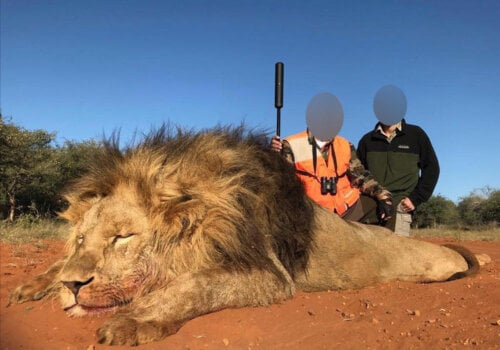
(38, 287)
(164, 311)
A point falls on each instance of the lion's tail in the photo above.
(469, 257)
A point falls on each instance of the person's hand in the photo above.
(276, 144)
(407, 205)
(385, 209)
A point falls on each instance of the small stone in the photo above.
(413, 312)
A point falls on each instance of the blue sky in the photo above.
(84, 68)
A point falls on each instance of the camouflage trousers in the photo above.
(364, 211)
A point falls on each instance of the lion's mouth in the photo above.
(93, 310)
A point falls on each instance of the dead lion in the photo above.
(187, 223)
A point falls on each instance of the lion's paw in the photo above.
(121, 330)
(118, 331)
(27, 292)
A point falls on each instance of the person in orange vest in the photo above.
(334, 177)
(328, 166)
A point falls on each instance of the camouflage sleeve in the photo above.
(361, 178)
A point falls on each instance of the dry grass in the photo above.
(29, 231)
(488, 234)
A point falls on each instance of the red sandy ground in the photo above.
(461, 314)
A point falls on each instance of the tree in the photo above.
(489, 209)
(438, 210)
(27, 157)
(73, 157)
(482, 206)
(34, 171)
(468, 208)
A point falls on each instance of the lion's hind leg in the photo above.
(39, 287)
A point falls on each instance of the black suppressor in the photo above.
(278, 86)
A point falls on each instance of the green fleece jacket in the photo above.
(407, 165)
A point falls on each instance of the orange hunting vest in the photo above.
(303, 152)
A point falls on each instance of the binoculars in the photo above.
(328, 185)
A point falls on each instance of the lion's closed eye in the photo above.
(122, 239)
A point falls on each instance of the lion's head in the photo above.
(178, 202)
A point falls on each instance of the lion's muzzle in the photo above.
(74, 286)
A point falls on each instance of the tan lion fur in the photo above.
(188, 223)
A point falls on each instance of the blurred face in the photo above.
(389, 105)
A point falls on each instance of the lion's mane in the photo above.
(216, 197)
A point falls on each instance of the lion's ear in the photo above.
(74, 213)
(76, 209)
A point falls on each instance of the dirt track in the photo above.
(461, 314)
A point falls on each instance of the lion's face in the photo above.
(109, 255)
(122, 248)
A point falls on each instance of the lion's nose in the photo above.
(75, 286)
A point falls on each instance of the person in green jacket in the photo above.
(400, 156)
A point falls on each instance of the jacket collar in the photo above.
(377, 131)
(312, 141)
